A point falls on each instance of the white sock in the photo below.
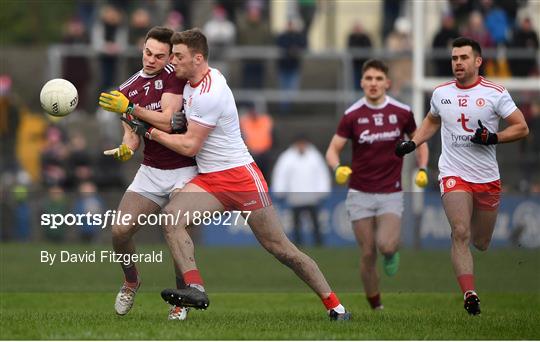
(469, 292)
(197, 286)
(340, 309)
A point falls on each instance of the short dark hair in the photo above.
(375, 64)
(464, 41)
(161, 34)
(194, 39)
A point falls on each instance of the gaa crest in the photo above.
(480, 102)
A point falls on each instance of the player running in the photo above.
(228, 180)
(468, 110)
(374, 124)
(153, 94)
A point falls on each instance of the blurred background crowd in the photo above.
(294, 67)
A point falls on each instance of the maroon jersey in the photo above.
(374, 132)
(145, 91)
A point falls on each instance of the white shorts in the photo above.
(157, 185)
(364, 204)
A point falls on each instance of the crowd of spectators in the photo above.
(115, 26)
(45, 168)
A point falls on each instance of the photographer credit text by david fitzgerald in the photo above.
(50, 258)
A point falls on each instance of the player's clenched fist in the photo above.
(116, 102)
(139, 127)
(421, 178)
(483, 136)
(179, 122)
(122, 152)
(404, 147)
(342, 174)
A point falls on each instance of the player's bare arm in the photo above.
(337, 144)
(517, 128)
(130, 143)
(187, 144)
(429, 127)
(131, 139)
(170, 103)
(341, 172)
(422, 154)
(117, 102)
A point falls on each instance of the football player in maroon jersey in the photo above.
(375, 124)
(151, 95)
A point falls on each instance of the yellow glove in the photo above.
(421, 178)
(342, 174)
(116, 102)
(122, 153)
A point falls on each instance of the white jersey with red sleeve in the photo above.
(211, 103)
(459, 110)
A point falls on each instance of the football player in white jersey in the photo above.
(468, 110)
(228, 180)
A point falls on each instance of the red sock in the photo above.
(180, 284)
(466, 282)
(130, 274)
(193, 277)
(374, 301)
(331, 302)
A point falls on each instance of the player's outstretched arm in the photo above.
(187, 144)
(517, 128)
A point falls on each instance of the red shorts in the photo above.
(486, 196)
(239, 188)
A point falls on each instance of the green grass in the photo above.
(254, 297)
(266, 316)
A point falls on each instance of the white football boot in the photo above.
(178, 313)
(125, 299)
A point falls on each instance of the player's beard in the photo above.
(184, 73)
(179, 74)
(465, 78)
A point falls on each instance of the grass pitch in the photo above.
(254, 297)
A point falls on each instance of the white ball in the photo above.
(59, 97)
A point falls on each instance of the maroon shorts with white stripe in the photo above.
(239, 188)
